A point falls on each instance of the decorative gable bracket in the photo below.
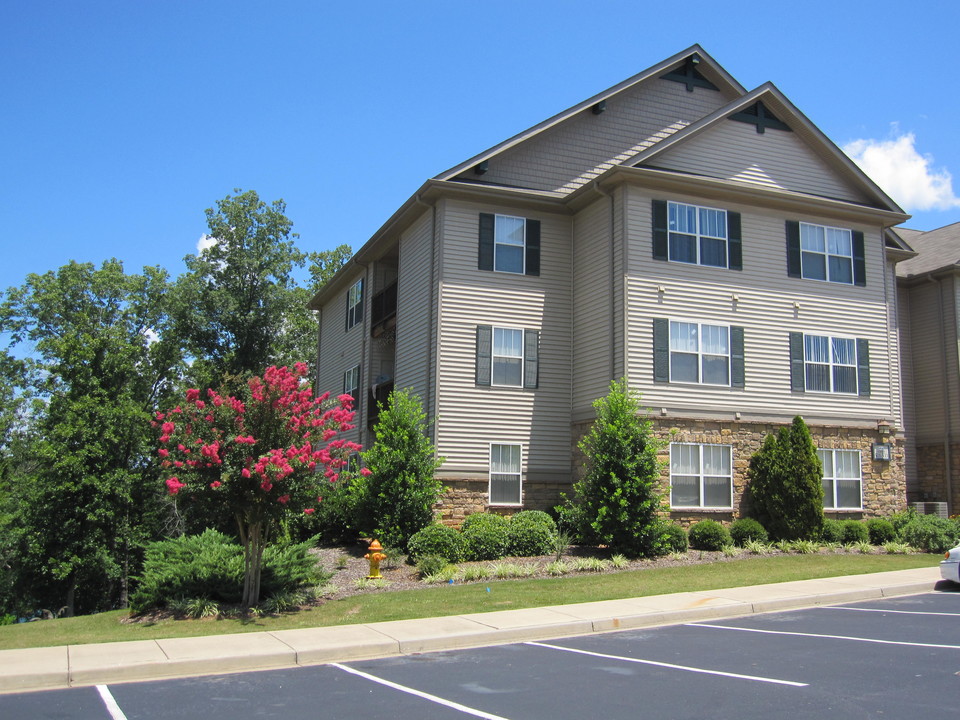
(689, 75)
(758, 114)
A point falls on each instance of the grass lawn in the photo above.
(468, 598)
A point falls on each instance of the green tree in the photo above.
(619, 496)
(786, 484)
(81, 493)
(398, 488)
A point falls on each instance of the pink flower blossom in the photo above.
(266, 486)
(245, 473)
(365, 472)
(164, 438)
(215, 484)
(167, 428)
(174, 485)
(309, 511)
(163, 452)
(192, 394)
(283, 499)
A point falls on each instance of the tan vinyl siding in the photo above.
(736, 151)
(768, 305)
(594, 321)
(415, 298)
(909, 422)
(471, 417)
(926, 336)
(585, 145)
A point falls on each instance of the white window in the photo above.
(507, 357)
(701, 476)
(826, 253)
(841, 479)
(509, 244)
(830, 364)
(505, 484)
(351, 384)
(699, 353)
(697, 234)
(355, 304)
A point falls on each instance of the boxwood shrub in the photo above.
(881, 531)
(486, 535)
(832, 531)
(854, 531)
(436, 539)
(674, 538)
(709, 535)
(746, 529)
(531, 532)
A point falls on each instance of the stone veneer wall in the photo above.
(884, 484)
(931, 475)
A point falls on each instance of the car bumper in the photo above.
(950, 570)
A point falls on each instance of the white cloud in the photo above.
(907, 176)
(205, 242)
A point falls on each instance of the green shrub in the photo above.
(428, 565)
(881, 531)
(674, 538)
(531, 532)
(437, 539)
(620, 495)
(930, 533)
(210, 566)
(746, 529)
(900, 519)
(486, 536)
(786, 490)
(709, 535)
(831, 531)
(854, 532)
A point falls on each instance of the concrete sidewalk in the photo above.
(104, 663)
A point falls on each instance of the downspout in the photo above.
(948, 435)
(430, 400)
(613, 320)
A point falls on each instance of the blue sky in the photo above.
(120, 122)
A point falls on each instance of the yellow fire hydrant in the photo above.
(375, 556)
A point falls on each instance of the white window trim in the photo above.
(699, 235)
(700, 353)
(490, 475)
(826, 254)
(833, 477)
(353, 300)
(354, 389)
(831, 364)
(701, 506)
(523, 248)
(494, 356)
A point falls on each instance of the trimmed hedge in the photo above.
(487, 536)
(832, 531)
(881, 531)
(531, 533)
(709, 535)
(746, 529)
(437, 539)
(674, 538)
(854, 531)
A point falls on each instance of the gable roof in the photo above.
(789, 114)
(716, 74)
(936, 250)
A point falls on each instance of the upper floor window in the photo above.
(693, 352)
(701, 475)
(507, 357)
(355, 304)
(696, 235)
(841, 479)
(821, 252)
(829, 364)
(509, 244)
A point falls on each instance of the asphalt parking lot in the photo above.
(895, 658)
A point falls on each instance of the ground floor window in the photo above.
(505, 482)
(842, 485)
(701, 476)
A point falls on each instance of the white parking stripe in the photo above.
(898, 612)
(115, 712)
(420, 694)
(670, 665)
(828, 637)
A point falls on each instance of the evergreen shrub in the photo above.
(531, 533)
(831, 531)
(674, 538)
(744, 530)
(709, 535)
(881, 531)
(437, 539)
(428, 565)
(486, 536)
(854, 532)
(930, 533)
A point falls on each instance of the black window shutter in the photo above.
(863, 367)
(797, 370)
(734, 242)
(346, 318)
(660, 240)
(661, 350)
(484, 353)
(485, 260)
(736, 357)
(531, 359)
(793, 248)
(358, 314)
(532, 242)
(859, 263)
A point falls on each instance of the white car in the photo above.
(950, 567)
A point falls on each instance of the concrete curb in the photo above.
(105, 663)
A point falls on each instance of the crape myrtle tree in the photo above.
(257, 456)
(619, 496)
(80, 490)
(786, 484)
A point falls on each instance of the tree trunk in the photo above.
(71, 596)
(254, 539)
